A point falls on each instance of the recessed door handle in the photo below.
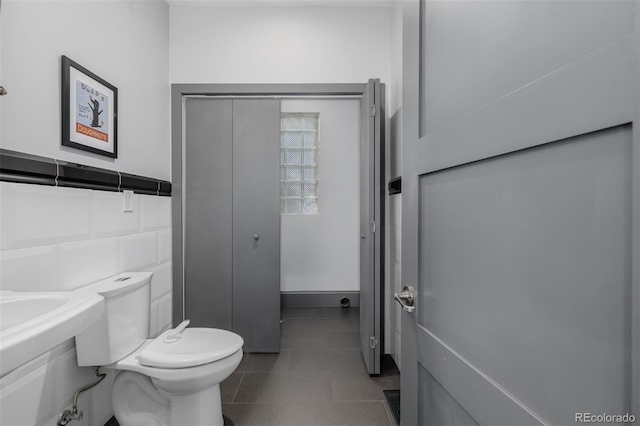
(405, 298)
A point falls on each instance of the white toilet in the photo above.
(173, 379)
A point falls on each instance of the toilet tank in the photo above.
(125, 323)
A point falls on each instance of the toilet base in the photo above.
(200, 408)
(137, 402)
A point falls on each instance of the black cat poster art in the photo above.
(89, 110)
(92, 114)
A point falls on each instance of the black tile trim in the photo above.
(139, 184)
(19, 167)
(24, 168)
(80, 176)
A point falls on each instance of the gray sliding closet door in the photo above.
(256, 223)
(208, 212)
(232, 218)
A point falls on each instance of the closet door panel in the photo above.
(256, 223)
(208, 212)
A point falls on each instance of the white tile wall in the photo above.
(55, 239)
(101, 408)
(164, 246)
(108, 218)
(71, 378)
(155, 213)
(18, 273)
(34, 215)
(38, 362)
(164, 313)
(161, 281)
(84, 262)
(30, 400)
(154, 330)
(160, 312)
(85, 404)
(138, 252)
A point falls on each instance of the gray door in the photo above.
(521, 169)
(256, 223)
(232, 218)
(208, 268)
(371, 223)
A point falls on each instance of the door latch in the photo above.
(405, 298)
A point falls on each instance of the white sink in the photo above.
(31, 323)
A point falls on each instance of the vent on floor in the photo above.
(393, 399)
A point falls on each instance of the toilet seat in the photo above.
(197, 346)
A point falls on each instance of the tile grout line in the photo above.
(238, 388)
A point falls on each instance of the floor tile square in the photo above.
(342, 312)
(289, 313)
(348, 340)
(252, 414)
(229, 386)
(289, 387)
(264, 362)
(299, 340)
(326, 360)
(342, 413)
(359, 386)
(330, 340)
(323, 325)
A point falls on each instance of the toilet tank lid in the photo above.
(197, 346)
(120, 284)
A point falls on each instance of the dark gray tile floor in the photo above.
(318, 378)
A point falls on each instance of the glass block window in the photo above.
(299, 163)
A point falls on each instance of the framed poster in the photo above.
(89, 111)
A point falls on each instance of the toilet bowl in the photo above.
(173, 379)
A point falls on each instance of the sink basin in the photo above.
(31, 323)
(18, 310)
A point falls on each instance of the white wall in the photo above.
(279, 44)
(54, 238)
(321, 252)
(132, 55)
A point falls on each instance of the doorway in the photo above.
(320, 243)
(372, 101)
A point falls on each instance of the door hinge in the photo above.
(372, 110)
(373, 342)
(373, 227)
